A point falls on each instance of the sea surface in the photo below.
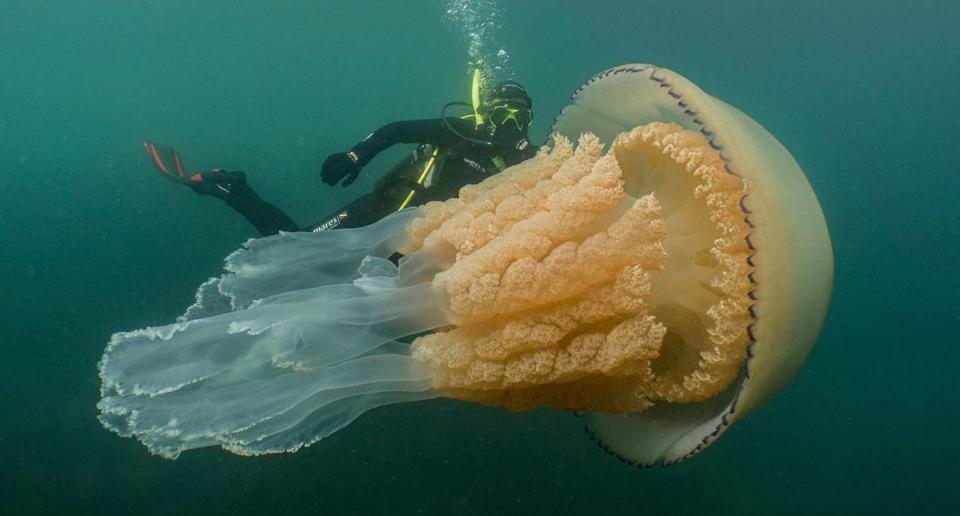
(93, 241)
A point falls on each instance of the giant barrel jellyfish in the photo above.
(667, 275)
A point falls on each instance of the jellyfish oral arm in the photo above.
(282, 371)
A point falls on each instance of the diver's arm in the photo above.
(431, 131)
(346, 166)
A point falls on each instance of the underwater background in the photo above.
(92, 241)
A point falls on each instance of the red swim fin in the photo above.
(167, 161)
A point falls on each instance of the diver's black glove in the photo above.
(339, 166)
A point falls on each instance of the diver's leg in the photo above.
(361, 212)
(267, 218)
(231, 187)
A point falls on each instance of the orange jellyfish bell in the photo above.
(667, 274)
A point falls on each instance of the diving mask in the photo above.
(503, 113)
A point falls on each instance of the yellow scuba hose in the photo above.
(421, 179)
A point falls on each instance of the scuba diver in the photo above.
(453, 152)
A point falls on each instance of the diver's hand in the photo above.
(339, 166)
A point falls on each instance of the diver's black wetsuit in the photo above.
(458, 163)
(267, 218)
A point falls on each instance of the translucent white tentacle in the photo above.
(307, 343)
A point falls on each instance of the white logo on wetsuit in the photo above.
(474, 164)
(332, 223)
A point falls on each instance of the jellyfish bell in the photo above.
(667, 274)
(790, 254)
